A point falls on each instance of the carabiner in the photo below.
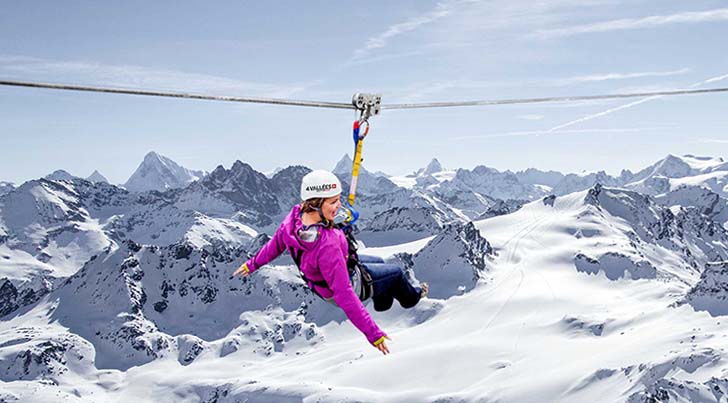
(366, 131)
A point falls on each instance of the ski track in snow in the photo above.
(518, 237)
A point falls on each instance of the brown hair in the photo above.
(314, 205)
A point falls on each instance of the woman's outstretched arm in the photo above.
(271, 250)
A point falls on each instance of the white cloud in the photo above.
(715, 79)
(714, 141)
(637, 23)
(427, 90)
(131, 76)
(381, 40)
(600, 114)
(618, 76)
(382, 58)
(531, 117)
(562, 132)
(629, 105)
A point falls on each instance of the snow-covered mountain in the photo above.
(534, 176)
(60, 175)
(432, 174)
(615, 273)
(453, 261)
(402, 224)
(406, 214)
(688, 170)
(501, 207)
(160, 173)
(432, 168)
(577, 182)
(401, 213)
(485, 183)
(97, 177)
(50, 223)
(674, 166)
(683, 234)
(103, 290)
(474, 191)
(244, 194)
(6, 187)
(367, 183)
(342, 169)
(48, 230)
(133, 304)
(707, 202)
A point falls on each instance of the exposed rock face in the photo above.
(452, 262)
(711, 292)
(686, 231)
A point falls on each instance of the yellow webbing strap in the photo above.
(355, 171)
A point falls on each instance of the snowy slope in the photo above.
(50, 221)
(536, 328)
(48, 230)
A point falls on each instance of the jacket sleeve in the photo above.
(332, 264)
(271, 250)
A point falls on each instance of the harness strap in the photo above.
(297, 254)
(358, 145)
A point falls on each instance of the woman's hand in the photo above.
(243, 270)
(381, 345)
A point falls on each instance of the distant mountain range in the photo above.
(105, 277)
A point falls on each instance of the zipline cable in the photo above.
(551, 99)
(341, 105)
(254, 100)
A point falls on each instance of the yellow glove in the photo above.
(242, 270)
(381, 344)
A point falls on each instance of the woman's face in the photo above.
(330, 206)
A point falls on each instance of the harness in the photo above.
(368, 105)
(361, 280)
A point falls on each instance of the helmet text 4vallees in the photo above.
(320, 183)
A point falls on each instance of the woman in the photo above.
(320, 251)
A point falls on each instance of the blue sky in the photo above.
(409, 51)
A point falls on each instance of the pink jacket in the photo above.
(323, 259)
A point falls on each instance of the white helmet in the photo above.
(319, 183)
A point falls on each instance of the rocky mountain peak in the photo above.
(6, 187)
(96, 177)
(454, 259)
(711, 292)
(433, 167)
(343, 167)
(59, 175)
(160, 173)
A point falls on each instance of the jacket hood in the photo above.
(291, 224)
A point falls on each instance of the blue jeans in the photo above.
(390, 283)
